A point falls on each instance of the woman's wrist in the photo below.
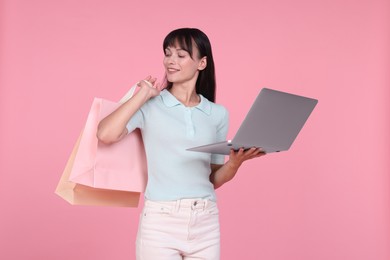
(146, 93)
(147, 90)
(233, 165)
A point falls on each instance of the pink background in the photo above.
(327, 198)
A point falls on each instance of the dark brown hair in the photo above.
(205, 84)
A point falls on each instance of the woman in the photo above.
(180, 217)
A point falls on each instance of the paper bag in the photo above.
(77, 194)
(98, 174)
(118, 166)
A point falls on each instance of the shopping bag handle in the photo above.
(129, 94)
(131, 91)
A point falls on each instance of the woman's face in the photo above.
(180, 67)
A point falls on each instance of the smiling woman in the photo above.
(328, 198)
(180, 44)
(182, 68)
(180, 218)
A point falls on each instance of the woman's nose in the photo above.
(171, 59)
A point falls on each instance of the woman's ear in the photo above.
(202, 63)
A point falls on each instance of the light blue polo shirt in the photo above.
(168, 128)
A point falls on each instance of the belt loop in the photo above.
(177, 206)
(206, 202)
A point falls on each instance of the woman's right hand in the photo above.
(112, 128)
(150, 86)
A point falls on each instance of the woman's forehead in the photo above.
(183, 43)
(179, 43)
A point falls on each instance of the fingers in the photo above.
(243, 154)
(157, 85)
(151, 82)
(255, 151)
(151, 79)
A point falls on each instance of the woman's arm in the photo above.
(221, 174)
(112, 128)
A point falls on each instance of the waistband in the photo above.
(196, 203)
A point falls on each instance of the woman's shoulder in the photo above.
(217, 110)
(218, 107)
(152, 102)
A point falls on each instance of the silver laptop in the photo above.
(272, 124)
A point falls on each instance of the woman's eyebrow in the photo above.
(177, 49)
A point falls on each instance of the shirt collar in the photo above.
(170, 101)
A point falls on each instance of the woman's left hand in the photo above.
(240, 156)
(221, 174)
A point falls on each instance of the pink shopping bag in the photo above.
(78, 194)
(112, 175)
(118, 166)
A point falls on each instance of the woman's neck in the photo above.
(185, 94)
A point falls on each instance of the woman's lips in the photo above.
(172, 70)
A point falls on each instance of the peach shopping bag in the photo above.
(98, 174)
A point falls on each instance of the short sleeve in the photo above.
(222, 131)
(137, 121)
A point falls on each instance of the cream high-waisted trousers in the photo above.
(174, 230)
